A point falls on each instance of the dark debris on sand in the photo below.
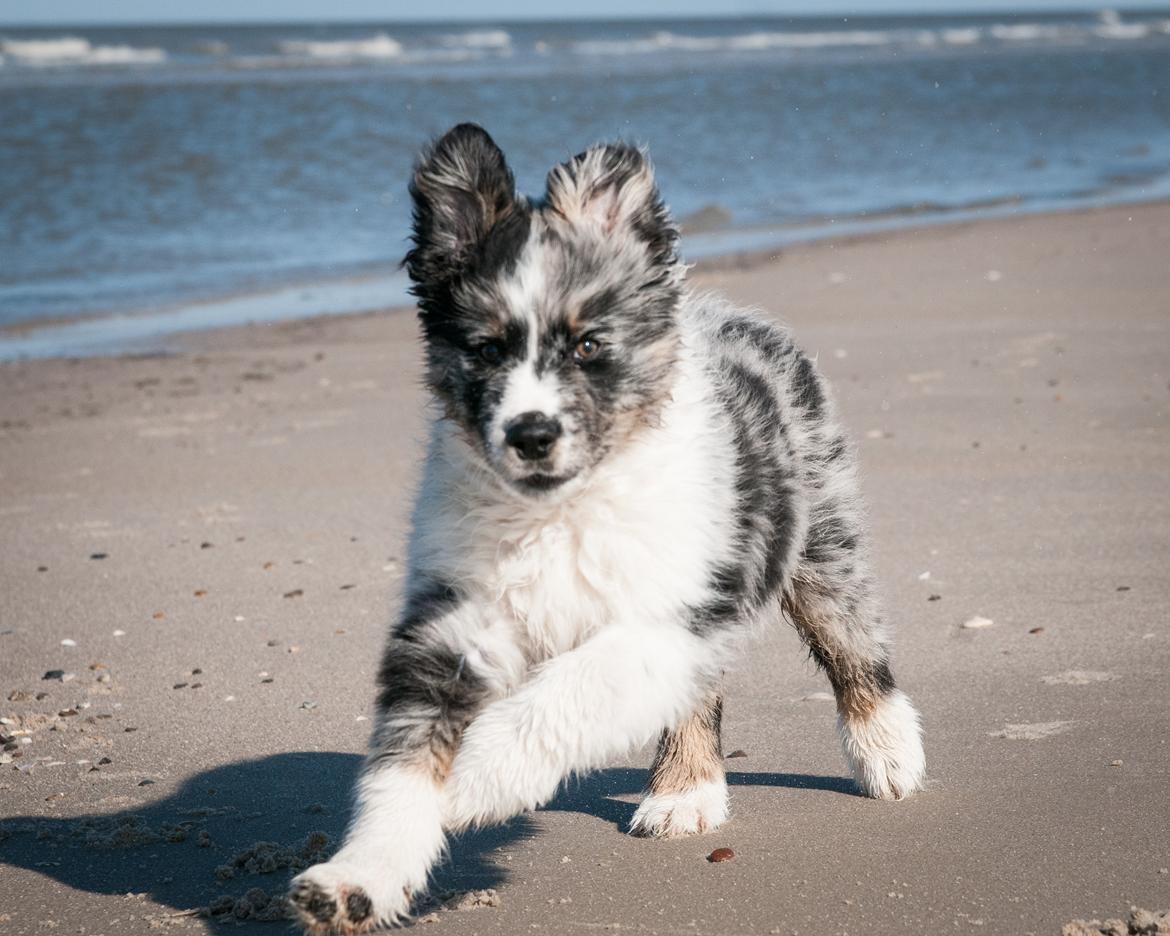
(267, 857)
(256, 904)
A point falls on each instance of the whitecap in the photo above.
(478, 39)
(1034, 32)
(380, 46)
(961, 37)
(1111, 26)
(744, 42)
(74, 50)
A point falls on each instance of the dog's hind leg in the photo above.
(830, 600)
(687, 791)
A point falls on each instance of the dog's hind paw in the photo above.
(884, 748)
(337, 897)
(691, 812)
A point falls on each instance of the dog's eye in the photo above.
(586, 348)
(491, 352)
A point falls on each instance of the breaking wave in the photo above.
(1109, 25)
(73, 50)
(406, 48)
(380, 46)
(478, 39)
(747, 42)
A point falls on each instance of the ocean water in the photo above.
(197, 169)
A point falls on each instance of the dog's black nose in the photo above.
(532, 435)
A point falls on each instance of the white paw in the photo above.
(670, 815)
(884, 749)
(348, 897)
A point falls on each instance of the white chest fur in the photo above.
(634, 541)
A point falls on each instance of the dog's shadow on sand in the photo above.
(170, 849)
(602, 794)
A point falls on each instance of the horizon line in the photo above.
(893, 11)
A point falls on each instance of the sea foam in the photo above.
(478, 39)
(380, 46)
(73, 50)
(744, 42)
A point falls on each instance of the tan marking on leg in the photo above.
(691, 754)
(839, 641)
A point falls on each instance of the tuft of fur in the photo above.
(693, 811)
(393, 841)
(462, 189)
(884, 748)
(623, 479)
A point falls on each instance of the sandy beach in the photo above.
(201, 552)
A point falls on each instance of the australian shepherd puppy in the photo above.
(622, 479)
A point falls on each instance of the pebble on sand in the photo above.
(977, 623)
(720, 854)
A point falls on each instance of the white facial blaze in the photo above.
(525, 390)
(528, 392)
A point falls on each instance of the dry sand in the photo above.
(202, 552)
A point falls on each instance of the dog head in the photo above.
(551, 325)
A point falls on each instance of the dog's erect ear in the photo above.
(612, 186)
(462, 188)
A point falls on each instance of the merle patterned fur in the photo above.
(577, 592)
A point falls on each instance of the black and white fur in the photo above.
(622, 478)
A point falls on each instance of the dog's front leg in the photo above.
(616, 691)
(435, 676)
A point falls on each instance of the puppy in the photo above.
(622, 478)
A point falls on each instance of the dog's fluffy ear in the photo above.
(462, 187)
(612, 186)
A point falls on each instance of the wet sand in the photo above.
(200, 554)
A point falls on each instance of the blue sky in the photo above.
(124, 11)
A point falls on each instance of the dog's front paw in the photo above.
(693, 812)
(342, 897)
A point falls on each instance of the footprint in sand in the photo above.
(1077, 678)
(1031, 732)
